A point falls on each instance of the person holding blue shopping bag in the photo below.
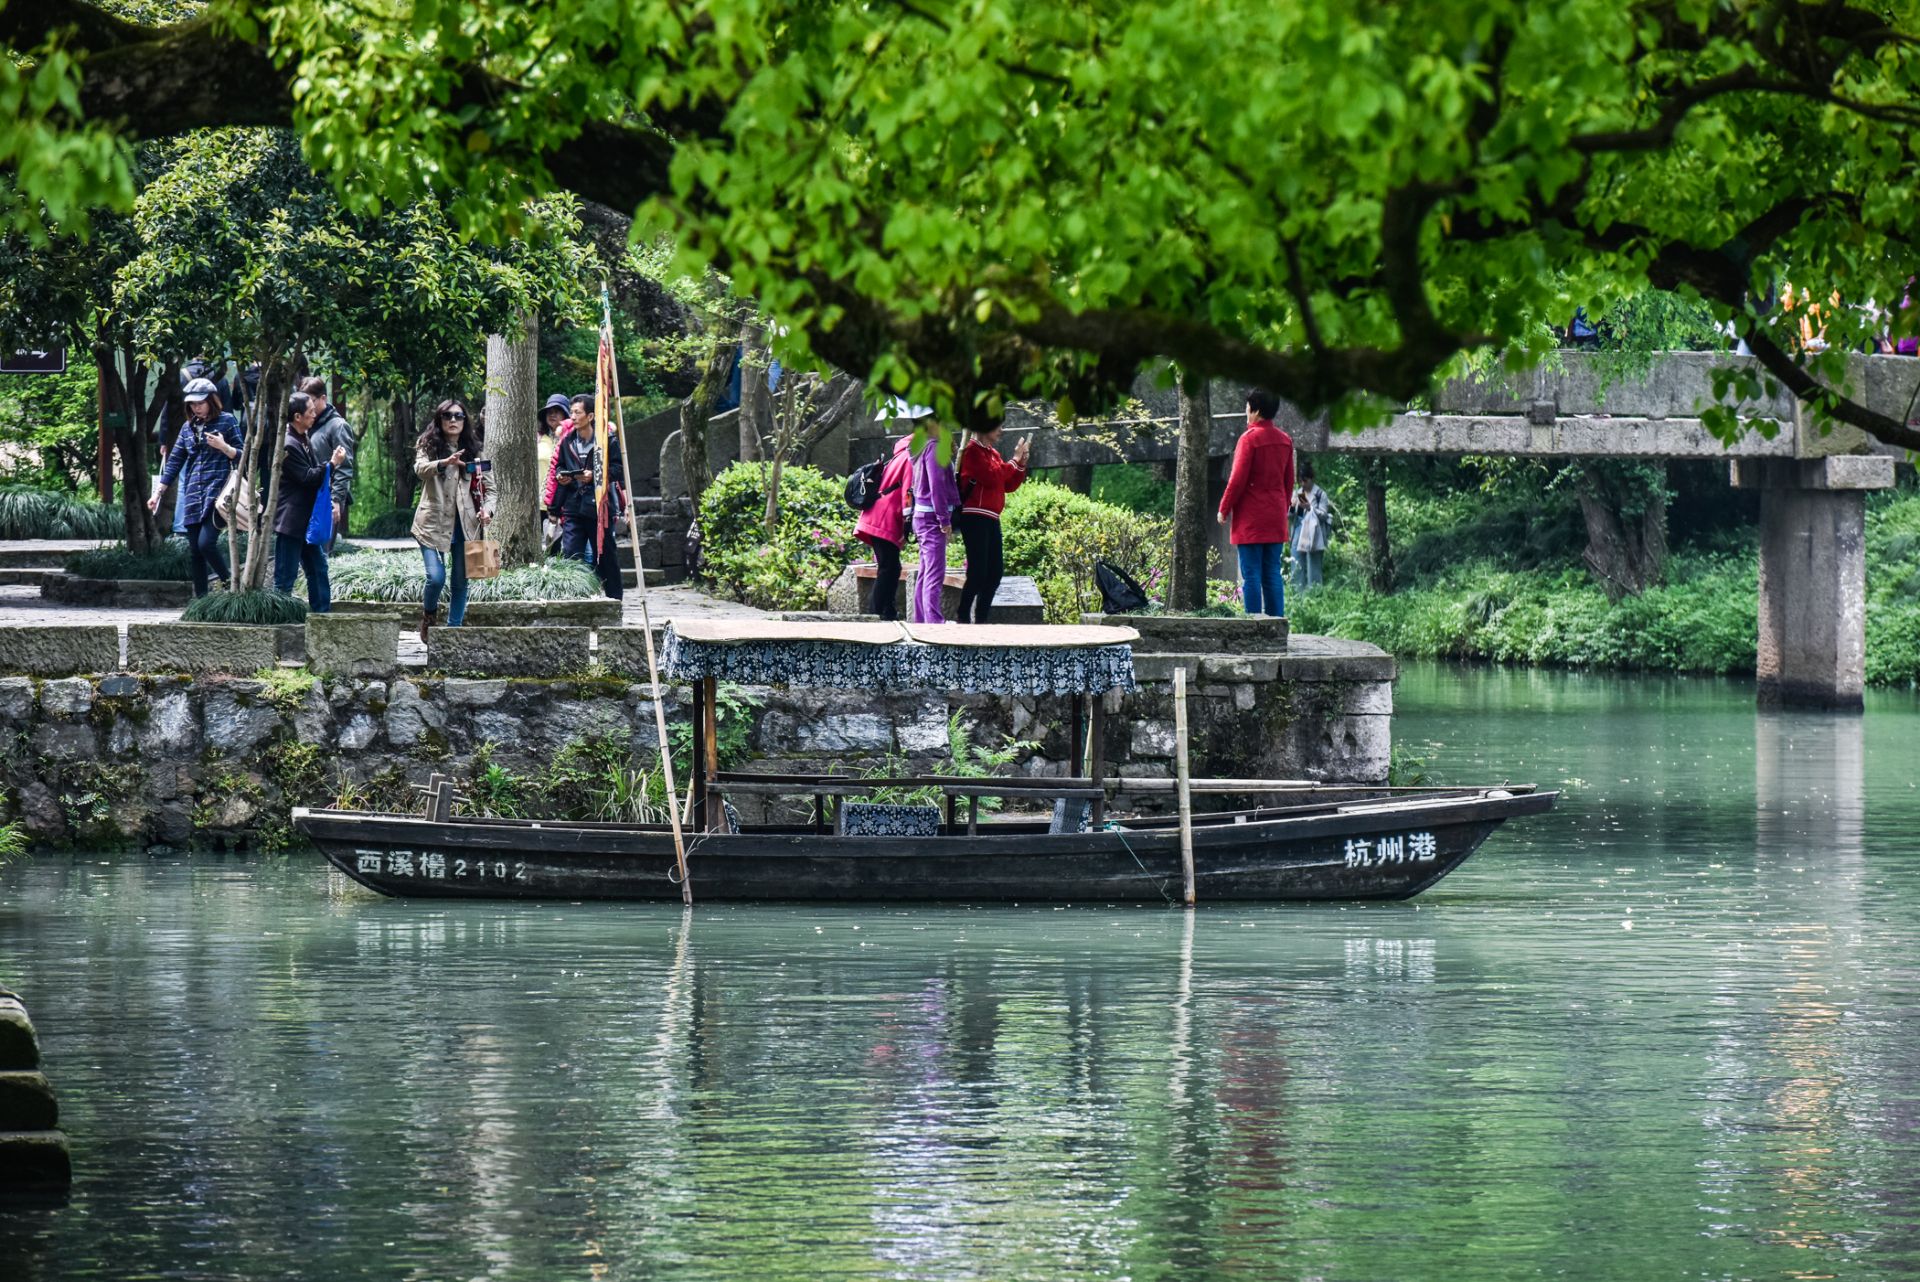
(456, 504)
(303, 514)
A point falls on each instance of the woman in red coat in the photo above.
(985, 480)
(1254, 508)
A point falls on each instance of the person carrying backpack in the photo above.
(883, 526)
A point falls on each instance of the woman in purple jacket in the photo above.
(936, 497)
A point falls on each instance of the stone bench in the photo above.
(509, 652)
(1016, 601)
(242, 648)
(60, 651)
(353, 645)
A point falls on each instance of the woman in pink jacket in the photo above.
(883, 527)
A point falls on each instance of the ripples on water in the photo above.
(1666, 1032)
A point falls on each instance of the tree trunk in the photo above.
(513, 440)
(402, 427)
(127, 435)
(756, 402)
(697, 409)
(1188, 589)
(1626, 517)
(1379, 547)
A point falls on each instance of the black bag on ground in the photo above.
(1119, 594)
(863, 485)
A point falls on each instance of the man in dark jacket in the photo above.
(330, 430)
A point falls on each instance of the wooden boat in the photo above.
(1312, 841)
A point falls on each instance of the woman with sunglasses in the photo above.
(456, 503)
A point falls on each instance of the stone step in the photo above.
(27, 576)
(43, 554)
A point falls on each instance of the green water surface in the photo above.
(1666, 1032)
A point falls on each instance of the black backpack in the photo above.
(1119, 594)
(863, 485)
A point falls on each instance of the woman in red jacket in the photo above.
(985, 480)
(1254, 508)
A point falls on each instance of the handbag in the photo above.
(234, 504)
(483, 559)
(320, 524)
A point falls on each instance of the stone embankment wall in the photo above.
(154, 759)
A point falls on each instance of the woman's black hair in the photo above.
(1306, 470)
(1263, 403)
(297, 404)
(471, 436)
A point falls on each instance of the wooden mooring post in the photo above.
(1186, 795)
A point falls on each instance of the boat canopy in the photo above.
(989, 658)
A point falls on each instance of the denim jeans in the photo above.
(293, 556)
(438, 566)
(1263, 580)
(204, 553)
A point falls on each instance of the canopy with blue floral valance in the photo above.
(1019, 659)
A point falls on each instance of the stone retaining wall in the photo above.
(170, 760)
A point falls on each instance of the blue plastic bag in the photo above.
(320, 524)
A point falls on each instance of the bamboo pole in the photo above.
(1186, 798)
(646, 621)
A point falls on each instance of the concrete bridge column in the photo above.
(1813, 575)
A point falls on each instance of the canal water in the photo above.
(1670, 1031)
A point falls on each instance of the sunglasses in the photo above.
(458, 416)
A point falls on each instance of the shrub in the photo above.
(1056, 536)
(396, 524)
(27, 513)
(166, 562)
(402, 577)
(811, 543)
(265, 606)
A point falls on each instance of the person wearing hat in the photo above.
(936, 497)
(203, 454)
(554, 423)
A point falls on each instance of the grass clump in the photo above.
(286, 688)
(13, 843)
(262, 607)
(28, 513)
(402, 577)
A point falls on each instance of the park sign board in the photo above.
(51, 360)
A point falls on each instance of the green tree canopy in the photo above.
(977, 199)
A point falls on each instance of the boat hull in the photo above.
(1381, 851)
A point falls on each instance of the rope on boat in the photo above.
(1160, 885)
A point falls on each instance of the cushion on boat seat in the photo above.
(873, 819)
(733, 816)
(1071, 815)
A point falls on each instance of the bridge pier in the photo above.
(1813, 576)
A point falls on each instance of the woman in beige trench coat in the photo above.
(456, 503)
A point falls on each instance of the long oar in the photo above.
(646, 617)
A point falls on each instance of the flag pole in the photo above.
(646, 618)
